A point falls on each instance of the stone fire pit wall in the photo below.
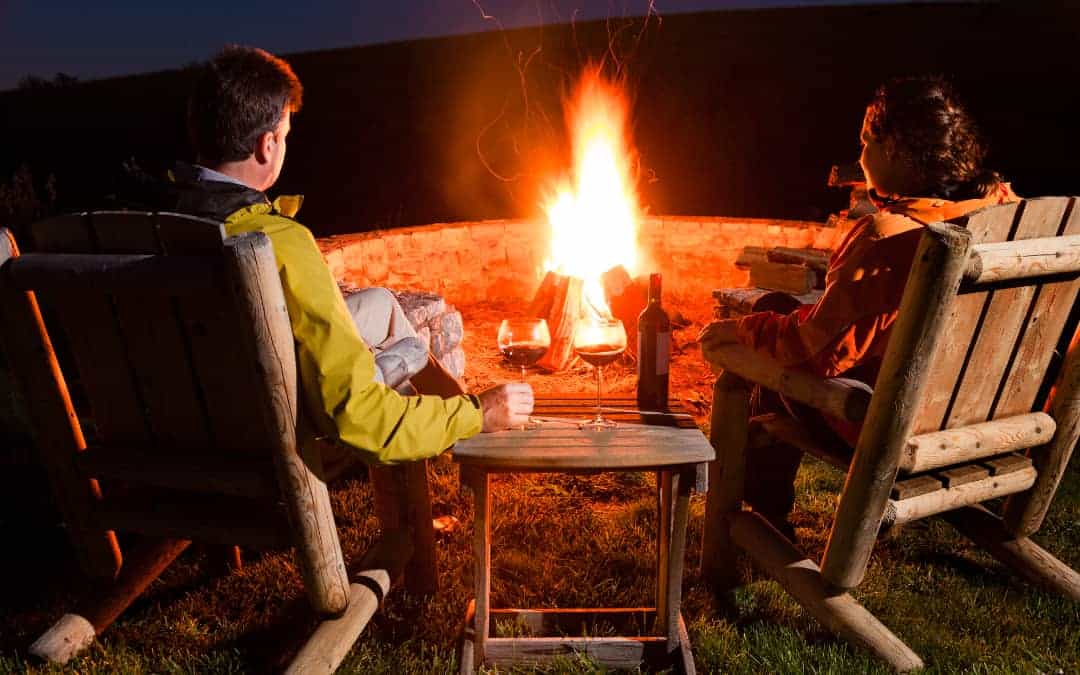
(503, 259)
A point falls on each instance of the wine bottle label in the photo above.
(663, 352)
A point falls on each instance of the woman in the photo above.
(923, 161)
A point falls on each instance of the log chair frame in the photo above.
(1015, 246)
(120, 264)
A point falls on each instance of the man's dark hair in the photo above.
(240, 94)
(931, 132)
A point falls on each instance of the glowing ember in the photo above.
(594, 213)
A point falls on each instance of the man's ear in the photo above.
(264, 147)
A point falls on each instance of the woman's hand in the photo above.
(718, 333)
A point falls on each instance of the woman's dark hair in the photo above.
(930, 131)
(239, 95)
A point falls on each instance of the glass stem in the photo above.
(599, 416)
(523, 373)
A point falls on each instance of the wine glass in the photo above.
(599, 341)
(523, 342)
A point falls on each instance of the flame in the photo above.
(594, 213)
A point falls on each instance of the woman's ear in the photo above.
(264, 148)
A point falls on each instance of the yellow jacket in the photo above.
(337, 370)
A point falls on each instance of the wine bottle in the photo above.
(654, 351)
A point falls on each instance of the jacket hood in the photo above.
(186, 192)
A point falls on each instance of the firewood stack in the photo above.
(559, 300)
(781, 279)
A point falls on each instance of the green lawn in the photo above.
(568, 541)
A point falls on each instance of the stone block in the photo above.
(420, 307)
(447, 331)
(454, 361)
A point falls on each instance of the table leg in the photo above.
(682, 482)
(482, 556)
(663, 545)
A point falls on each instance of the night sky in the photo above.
(93, 40)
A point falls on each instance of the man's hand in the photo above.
(506, 405)
(718, 333)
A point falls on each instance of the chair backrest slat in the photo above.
(951, 354)
(170, 378)
(1001, 326)
(991, 330)
(1042, 331)
(93, 335)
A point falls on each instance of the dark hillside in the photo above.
(736, 113)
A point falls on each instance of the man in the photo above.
(239, 117)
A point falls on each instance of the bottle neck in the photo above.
(654, 289)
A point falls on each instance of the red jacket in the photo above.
(847, 330)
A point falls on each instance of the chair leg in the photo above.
(1027, 558)
(403, 500)
(728, 435)
(802, 579)
(74, 632)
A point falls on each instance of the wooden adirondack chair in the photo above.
(183, 347)
(963, 392)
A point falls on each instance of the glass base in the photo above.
(532, 424)
(597, 423)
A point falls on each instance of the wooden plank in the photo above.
(961, 475)
(192, 469)
(953, 446)
(751, 255)
(795, 279)
(1042, 330)
(98, 348)
(948, 359)
(156, 345)
(1007, 464)
(1003, 318)
(800, 577)
(924, 312)
(914, 486)
(57, 432)
(213, 519)
(135, 274)
(991, 487)
(571, 448)
(609, 652)
(815, 258)
(577, 620)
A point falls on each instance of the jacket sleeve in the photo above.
(833, 335)
(337, 370)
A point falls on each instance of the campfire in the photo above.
(593, 214)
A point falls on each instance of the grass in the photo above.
(575, 541)
(559, 541)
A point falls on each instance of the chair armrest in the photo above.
(836, 398)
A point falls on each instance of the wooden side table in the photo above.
(670, 444)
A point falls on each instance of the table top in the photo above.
(642, 440)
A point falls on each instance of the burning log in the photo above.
(558, 300)
(627, 298)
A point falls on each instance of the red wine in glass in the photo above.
(599, 355)
(524, 354)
